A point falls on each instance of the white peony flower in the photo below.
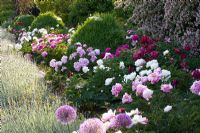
(139, 62)
(133, 112)
(143, 73)
(108, 81)
(130, 76)
(166, 52)
(153, 64)
(139, 68)
(95, 69)
(85, 69)
(139, 119)
(121, 65)
(166, 75)
(99, 62)
(167, 108)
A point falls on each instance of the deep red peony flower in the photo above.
(154, 54)
(183, 56)
(177, 50)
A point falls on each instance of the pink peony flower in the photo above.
(64, 59)
(108, 116)
(80, 51)
(108, 56)
(147, 94)
(166, 88)
(52, 63)
(83, 62)
(135, 84)
(195, 88)
(44, 54)
(77, 66)
(127, 98)
(52, 46)
(135, 37)
(116, 89)
(140, 89)
(144, 79)
(93, 58)
(154, 77)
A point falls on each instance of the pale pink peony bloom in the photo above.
(166, 88)
(195, 88)
(135, 84)
(127, 98)
(116, 89)
(108, 116)
(64, 59)
(154, 77)
(140, 89)
(139, 119)
(147, 94)
(144, 79)
(44, 54)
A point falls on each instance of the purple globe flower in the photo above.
(121, 120)
(93, 125)
(65, 114)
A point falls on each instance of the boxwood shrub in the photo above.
(47, 20)
(100, 31)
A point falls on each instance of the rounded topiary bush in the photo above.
(100, 31)
(47, 20)
(23, 21)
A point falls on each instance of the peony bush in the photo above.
(135, 85)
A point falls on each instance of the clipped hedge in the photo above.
(47, 20)
(100, 31)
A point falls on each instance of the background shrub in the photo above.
(100, 31)
(178, 20)
(6, 10)
(23, 21)
(47, 20)
(81, 9)
(60, 7)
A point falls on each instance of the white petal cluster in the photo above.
(130, 76)
(153, 64)
(140, 62)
